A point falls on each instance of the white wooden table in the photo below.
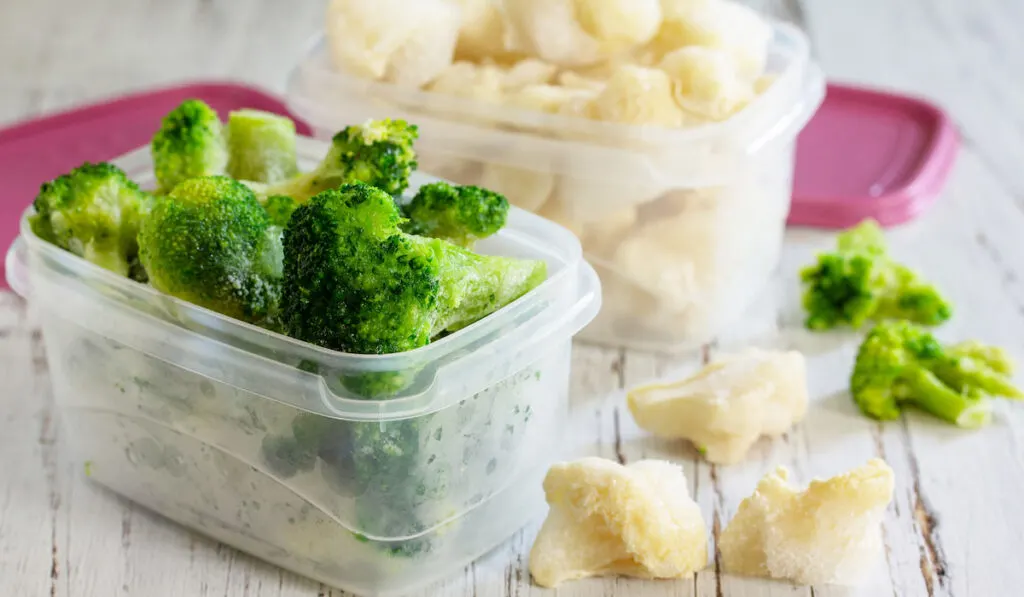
(956, 526)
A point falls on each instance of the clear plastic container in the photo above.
(369, 473)
(683, 225)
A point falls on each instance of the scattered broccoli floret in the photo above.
(189, 144)
(460, 215)
(261, 146)
(859, 282)
(354, 282)
(901, 364)
(94, 211)
(211, 243)
(280, 209)
(378, 153)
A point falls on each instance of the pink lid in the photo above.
(870, 154)
(39, 150)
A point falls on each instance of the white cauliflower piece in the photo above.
(408, 43)
(560, 212)
(527, 189)
(483, 32)
(574, 80)
(637, 95)
(529, 72)
(579, 32)
(468, 80)
(602, 236)
(605, 518)
(827, 533)
(706, 83)
(721, 24)
(728, 405)
(550, 99)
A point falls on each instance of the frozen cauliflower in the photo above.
(721, 24)
(483, 32)
(637, 95)
(706, 83)
(606, 518)
(729, 404)
(827, 533)
(526, 189)
(550, 99)
(580, 32)
(465, 79)
(602, 236)
(408, 43)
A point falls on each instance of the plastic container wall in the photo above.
(683, 225)
(374, 474)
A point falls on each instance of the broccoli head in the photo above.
(189, 144)
(94, 211)
(261, 146)
(378, 153)
(459, 214)
(211, 243)
(901, 364)
(859, 282)
(279, 209)
(354, 282)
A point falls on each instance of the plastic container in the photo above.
(684, 226)
(291, 452)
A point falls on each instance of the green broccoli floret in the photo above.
(901, 364)
(859, 282)
(94, 211)
(261, 146)
(189, 144)
(378, 153)
(460, 215)
(354, 282)
(280, 209)
(211, 243)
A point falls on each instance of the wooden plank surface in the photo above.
(955, 527)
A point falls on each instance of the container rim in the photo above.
(784, 36)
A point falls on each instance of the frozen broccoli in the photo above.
(261, 146)
(210, 242)
(189, 144)
(859, 282)
(94, 211)
(901, 364)
(280, 209)
(379, 153)
(461, 215)
(354, 282)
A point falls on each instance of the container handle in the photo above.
(16, 268)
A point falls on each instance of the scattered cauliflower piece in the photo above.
(827, 533)
(580, 32)
(729, 404)
(637, 95)
(706, 83)
(408, 43)
(605, 518)
(721, 24)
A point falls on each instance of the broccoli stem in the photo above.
(928, 393)
(962, 373)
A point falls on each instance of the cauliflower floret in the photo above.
(528, 72)
(578, 32)
(551, 99)
(602, 236)
(722, 24)
(483, 32)
(574, 80)
(560, 212)
(827, 533)
(705, 82)
(605, 518)
(465, 79)
(637, 95)
(728, 405)
(408, 43)
(526, 189)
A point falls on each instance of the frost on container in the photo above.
(294, 453)
(664, 142)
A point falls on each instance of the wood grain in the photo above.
(955, 525)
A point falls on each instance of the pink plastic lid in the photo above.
(39, 150)
(870, 154)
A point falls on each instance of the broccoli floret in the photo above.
(261, 146)
(280, 209)
(859, 282)
(189, 144)
(354, 282)
(901, 364)
(460, 215)
(211, 243)
(94, 211)
(378, 153)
